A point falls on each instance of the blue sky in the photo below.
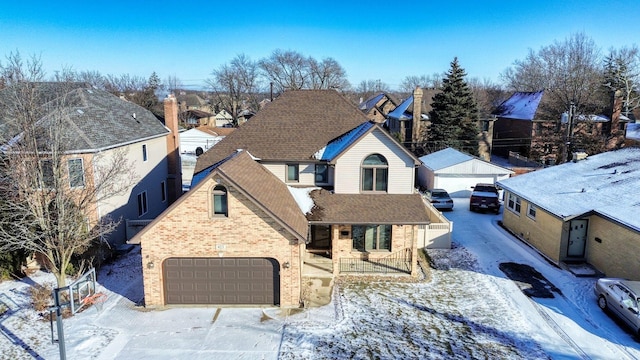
(372, 40)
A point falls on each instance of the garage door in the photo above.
(221, 281)
(460, 186)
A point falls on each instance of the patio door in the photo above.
(577, 238)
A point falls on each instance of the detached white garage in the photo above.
(457, 172)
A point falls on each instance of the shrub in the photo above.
(41, 296)
(11, 264)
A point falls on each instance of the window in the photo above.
(46, 173)
(76, 173)
(292, 173)
(163, 191)
(142, 203)
(371, 237)
(513, 203)
(322, 173)
(484, 125)
(374, 173)
(144, 152)
(220, 201)
(531, 211)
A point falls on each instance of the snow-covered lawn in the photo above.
(466, 308)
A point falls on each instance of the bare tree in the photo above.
(487, 95)
(236, 83)
(409, 83)
(49, 202)
(569, 72)
(287, 70)
(125, 84)
(172, 83)
(622, 76)
(327, 74)
(367, 88)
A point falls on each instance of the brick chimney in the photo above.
(174, 176)
(417, 115)
(616, 112)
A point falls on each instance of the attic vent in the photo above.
(80, 111)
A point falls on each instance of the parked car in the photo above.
(484, 197)
(439, 198)
(621, 298)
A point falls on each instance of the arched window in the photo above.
(220, 201)
(375, 173)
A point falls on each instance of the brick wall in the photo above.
(613, 249)
(189, 230)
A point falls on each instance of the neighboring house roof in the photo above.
(520, 106)
(292, 128)
(401, 111)
(633, 131)
(449, 157)
(365, 209)
(372, 102)
(191, 100)
(95, 119)
(606, 184)
(196, 114)
(260, 186)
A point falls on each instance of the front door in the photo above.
(320, 243)
(577, 238)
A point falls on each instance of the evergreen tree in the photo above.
(454, 117)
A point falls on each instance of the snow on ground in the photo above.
(465, 308)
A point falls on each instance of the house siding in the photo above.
(307, 173)
(149, 174)
(616, 254)
(189, 230)
(545, 232)
(401, 165)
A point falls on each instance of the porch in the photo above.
(322, 264)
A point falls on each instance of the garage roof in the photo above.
(451, 160)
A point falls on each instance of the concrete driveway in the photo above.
(189, 333)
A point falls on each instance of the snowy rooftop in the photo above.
(400, 112)
(606, 183)
(521, 105)
(370, 102)
(444, 158)
(336, 146)
(633, 131)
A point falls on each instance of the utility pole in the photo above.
(570, 132)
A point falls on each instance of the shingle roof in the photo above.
(605, 183)
(291, 128)
(94, 119)
(265, 189)
(397, 209)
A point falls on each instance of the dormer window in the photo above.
(375, 173)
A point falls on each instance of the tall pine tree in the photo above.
(454, 114)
